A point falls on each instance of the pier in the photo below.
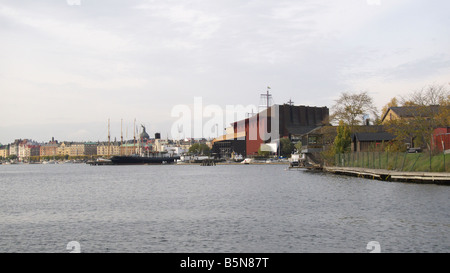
(208, 162)
(387, 175)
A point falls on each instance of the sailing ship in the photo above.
(142, 155)
(144, 159)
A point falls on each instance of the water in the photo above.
(225, 208)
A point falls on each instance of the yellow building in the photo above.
(409, 112)
(64, 149)
(128, 149)
(105, 149)
(4, 152)
(83, 149)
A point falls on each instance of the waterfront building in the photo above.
(159, 144)
(364, 138)
(174, 150)
(4, 151)
(108, 149)
(50, 148)
(28, 148)
(441, 139)
(83, 149)
(31, 151)
(433, 118)
(293, 122)
(371, 141)
(228, 145)
(411, 112)
(14, 147)
(64, 149)
(128, 148)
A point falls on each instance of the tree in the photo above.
(392, 103)
(343, 139)
(199, 148)
(427, 109)
(352, 108)
(262, 153)
(286, 147)
(298, 146)
(428, 95)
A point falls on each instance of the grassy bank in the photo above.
(413, 162)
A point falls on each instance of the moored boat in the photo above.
(143, 160)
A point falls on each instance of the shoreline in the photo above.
(438, 178)
(393, 176)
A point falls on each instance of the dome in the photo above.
(144, 135)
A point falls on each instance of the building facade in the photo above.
(83, 149)
(28, 148)
(441, 139)
(106, 149)
(64, 149)
(49, 150)
(370, 141)
(14, 147)
(4, 151)
(411, 112)
(271, 125)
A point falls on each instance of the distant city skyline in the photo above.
(68, 66)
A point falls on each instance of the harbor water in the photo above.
(215, 209)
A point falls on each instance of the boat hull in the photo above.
(142, 160)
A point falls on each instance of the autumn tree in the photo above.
(392, 103)
(351, 108)
(343, 139)
(426, 109)
(298, 146)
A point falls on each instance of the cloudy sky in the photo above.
(67, 66)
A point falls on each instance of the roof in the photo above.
(380, 136)
(413, 111)
(301, 130)
(234, 136)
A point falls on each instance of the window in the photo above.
(312, 140)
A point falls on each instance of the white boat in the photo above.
(101, 159)
(50, 162)
(296, 160)
(247, 161)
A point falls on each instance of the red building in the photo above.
(441, 139)
(287, 121)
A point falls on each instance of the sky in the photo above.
(69, 66)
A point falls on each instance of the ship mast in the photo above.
(139, 142)
(109, 139)
(134, 132)
(121, 137)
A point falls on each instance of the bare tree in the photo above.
(427, 96)
(352, 108)
(424, 111)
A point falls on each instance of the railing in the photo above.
(398, 161)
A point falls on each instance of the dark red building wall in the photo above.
(289, 116)
(441, 135)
